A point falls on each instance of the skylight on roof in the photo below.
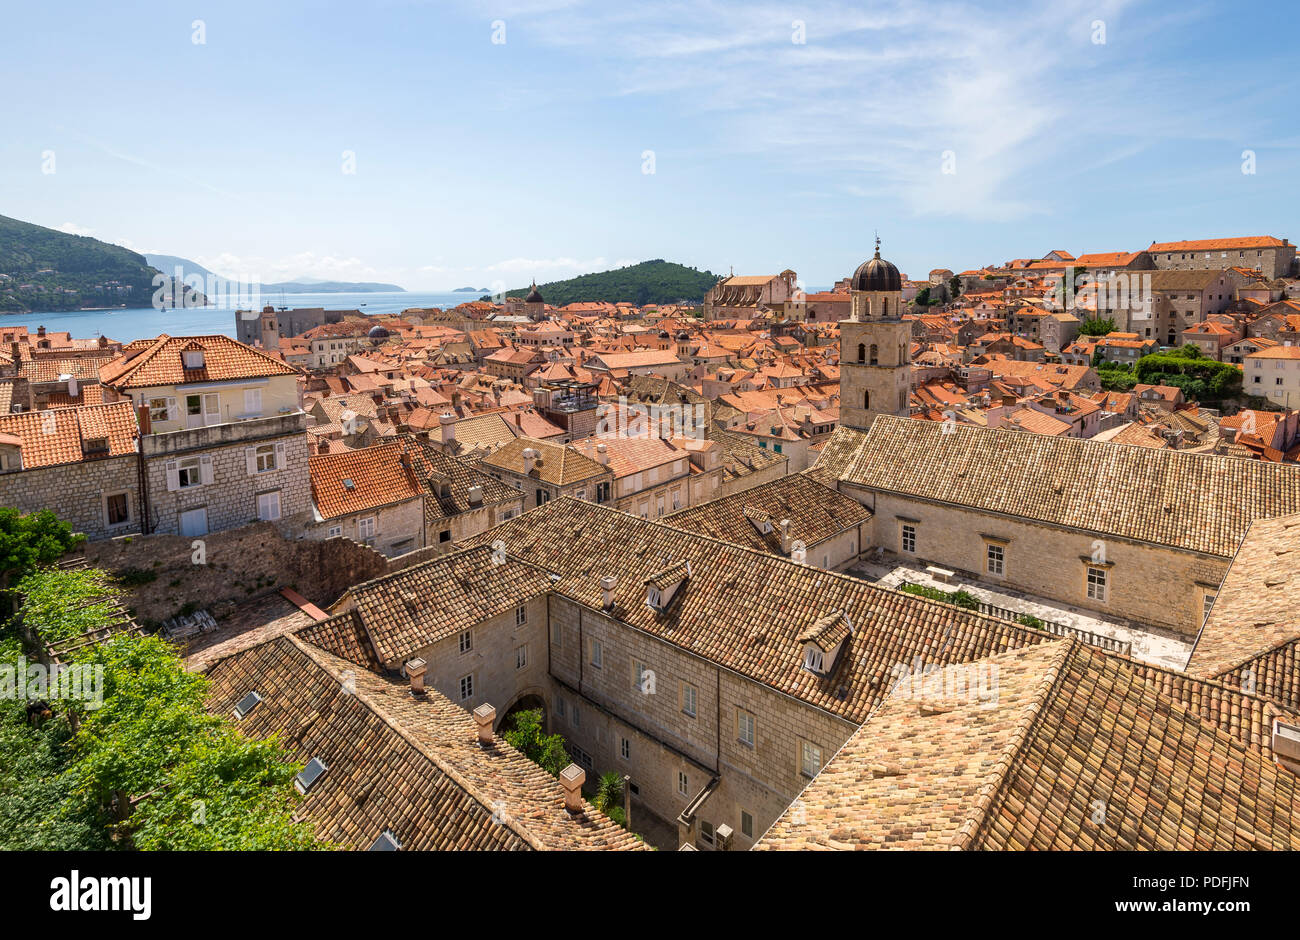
(348, 484)
(387, 842)
(308, 776)
(247, 704)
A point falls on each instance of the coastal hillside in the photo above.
(650, 282)
(45, 269)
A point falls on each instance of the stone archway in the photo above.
(525, 700)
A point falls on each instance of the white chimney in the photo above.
(530, 459)
(415, 669)
(447, 421)
(723, 834)
(571, 780)
(602, 453)
(484, 716)
(72, 384)
(475, 495)
(785, 536)
(608, 585)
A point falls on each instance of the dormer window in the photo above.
(823, 641)
(95, 445)
(662, 586)
(192, 358)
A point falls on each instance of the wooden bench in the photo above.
(941, 574)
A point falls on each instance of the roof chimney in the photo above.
(785, 536)
(571, 780)
(323, 446)
(415, 669)
(530, 459)
(475, 495)
(40, 331)
(602, 453)
(103, 340)
(447, 421)
(608, 585)
(484, 716)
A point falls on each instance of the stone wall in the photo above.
(1147, 583)
(224, 569)
(76, 493)
(231, 498)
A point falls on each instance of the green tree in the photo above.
(148, 766)
(1097, 326)
(28, 541)
(609, 792)
(954, 286)
(547, 750)
(922, 298)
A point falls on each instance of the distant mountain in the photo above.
(469, 290)
(333, 287)
(303, 285)
(45, 269)
(650, 282)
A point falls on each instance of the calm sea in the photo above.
(127, 324)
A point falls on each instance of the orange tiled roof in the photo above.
(62, 435)
(148, 364)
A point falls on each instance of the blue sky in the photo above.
(478, 162)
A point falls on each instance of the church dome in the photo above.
(534, 295)
(877, 274)
(378, 332)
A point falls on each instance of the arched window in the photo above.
(875, 357)
(866, 399)
(862, 352)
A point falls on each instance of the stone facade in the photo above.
(78, 493)
(227, 491)
(1147, 583)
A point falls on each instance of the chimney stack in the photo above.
(602, 453)
(571, 780)
(447, 422)
(484, 716)
(530, 457)
(608, 585)
(475, 495)
(786, 541)
(415, 669)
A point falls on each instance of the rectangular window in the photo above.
(688, 699)
(444, 536)
(1206, 604)
(466, 641)
(158, 410)
(521, 656)
(625, 749)
(268, 506)
(466, 687)
(706, 832)
(521, 615)
(909, 539)
(366, 528)
(597, 654)
(334, 531)
(559, 707)
(746, 825)
(252, 401)
(1096, 583)
(810, 759)
(576, 719)
(265, 458)
(640, 677)
(745, 727)
(997, 556)
(117, 509)
(683, 784)
(189, 472)
(557, 637)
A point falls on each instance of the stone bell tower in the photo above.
(875, 347)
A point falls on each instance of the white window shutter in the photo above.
(205, 470)
(173, 476)
(280, 451)
(250, 459)
(173, 413)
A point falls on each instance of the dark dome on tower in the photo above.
(534, 296)
(378, 333)
(877, 274)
